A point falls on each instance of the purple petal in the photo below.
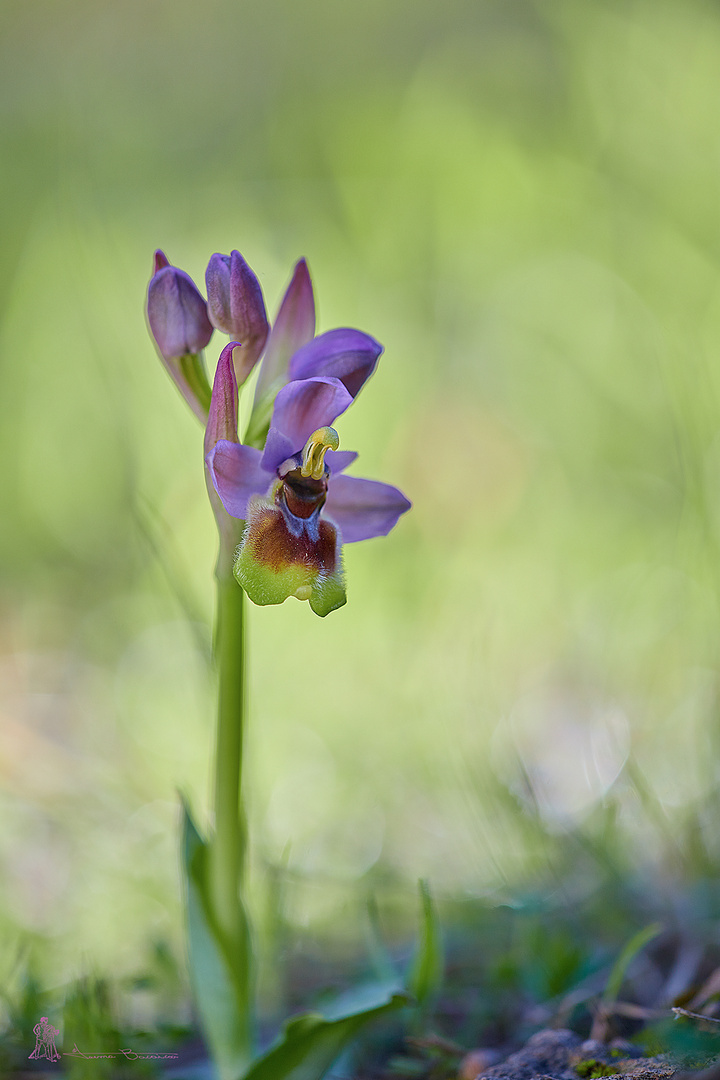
(301, 408)
(177, 313)
(223, 417)
(293, 328)
(348, 355)
(237, 474)
(363, 508)
(339, 460)
(277, 448)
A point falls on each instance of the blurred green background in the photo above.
(521, 201)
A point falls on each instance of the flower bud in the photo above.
(178, 321)
(177, 313)
(236, 307)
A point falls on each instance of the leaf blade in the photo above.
(219, 973)
(619, 969)
(426, 973)
(311, 1043)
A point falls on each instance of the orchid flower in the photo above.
(297, 502)
(286, 481)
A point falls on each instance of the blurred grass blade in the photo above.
(635, 945)
(89, 1023)
(311, 1043)
(426, 973)
(219, 973)
(379, 955)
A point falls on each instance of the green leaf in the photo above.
(311, 1043)
(426, 974)
(219, 970)
(635, 945)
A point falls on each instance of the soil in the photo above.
(563, 1055)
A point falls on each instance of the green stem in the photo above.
(221, 952)
(194, 383)
(228, 850)
(230, 841)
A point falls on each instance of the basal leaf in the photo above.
(311, 1043)
(219, 970)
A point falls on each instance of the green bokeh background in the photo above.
(521, 201)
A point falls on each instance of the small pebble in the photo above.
(476, 1062)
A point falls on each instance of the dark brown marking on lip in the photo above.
(271, 542)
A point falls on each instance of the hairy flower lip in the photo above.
(282, 557)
